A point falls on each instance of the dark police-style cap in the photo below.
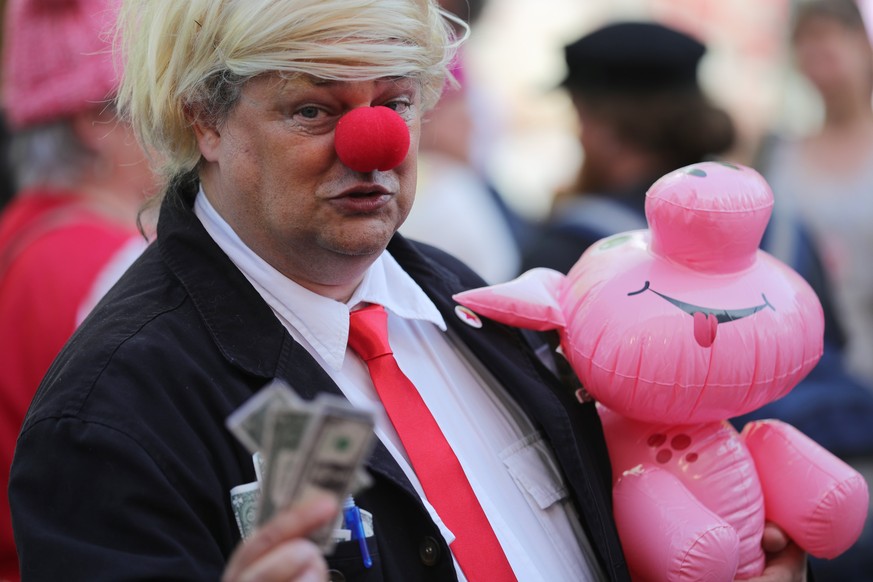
(632, 57)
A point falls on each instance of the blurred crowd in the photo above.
(74, 186)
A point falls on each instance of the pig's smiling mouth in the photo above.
(706, 319)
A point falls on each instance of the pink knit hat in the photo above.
(56, 58)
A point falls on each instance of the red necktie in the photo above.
(475, 547)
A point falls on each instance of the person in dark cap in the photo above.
(632, 56)
(643, 113)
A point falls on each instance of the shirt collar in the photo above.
(319, 320)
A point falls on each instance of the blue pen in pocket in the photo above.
(352, 518)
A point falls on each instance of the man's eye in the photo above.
(398, 106)
(309, 112)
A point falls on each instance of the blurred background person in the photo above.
(457, 207)
(71, 228)
(642, 114)
(826, 176)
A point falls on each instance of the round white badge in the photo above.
(467, 316)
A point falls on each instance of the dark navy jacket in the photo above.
(124, 465)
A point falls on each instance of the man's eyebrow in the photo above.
(321, 82)
(303, 81)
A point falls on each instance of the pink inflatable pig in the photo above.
(673, 330)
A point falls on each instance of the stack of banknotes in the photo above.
(298, 447)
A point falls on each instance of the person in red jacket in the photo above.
(71, 228)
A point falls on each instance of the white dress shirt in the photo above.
(509, 465)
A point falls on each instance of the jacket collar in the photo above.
(241, 324)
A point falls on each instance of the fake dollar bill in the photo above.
(248, 422)
(284, 449)
(244, 500)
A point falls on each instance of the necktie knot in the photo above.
(368, 332)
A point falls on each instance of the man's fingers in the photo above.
(296, 522)
(789, 565)
(298, 559)
(786, 562)
(774, 540)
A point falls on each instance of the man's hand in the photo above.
(280, 551)
(786, 562)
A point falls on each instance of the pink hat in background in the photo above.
(56, 58)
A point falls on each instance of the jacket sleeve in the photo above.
(70, 473)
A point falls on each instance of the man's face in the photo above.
(272, 172)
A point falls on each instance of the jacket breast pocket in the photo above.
(346, 562)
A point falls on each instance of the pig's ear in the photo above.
(530, 301)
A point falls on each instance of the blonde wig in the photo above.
(195, 55)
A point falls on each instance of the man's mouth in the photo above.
(363, 194)
(364, 190)
(362, 200)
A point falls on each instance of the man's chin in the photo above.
(365, 245)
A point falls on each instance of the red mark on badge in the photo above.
(468, 317)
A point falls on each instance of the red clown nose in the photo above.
(371, 138)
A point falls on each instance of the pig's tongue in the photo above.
(705, 328)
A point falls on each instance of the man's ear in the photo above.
(208, 135)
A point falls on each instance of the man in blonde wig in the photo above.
(287, 132)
